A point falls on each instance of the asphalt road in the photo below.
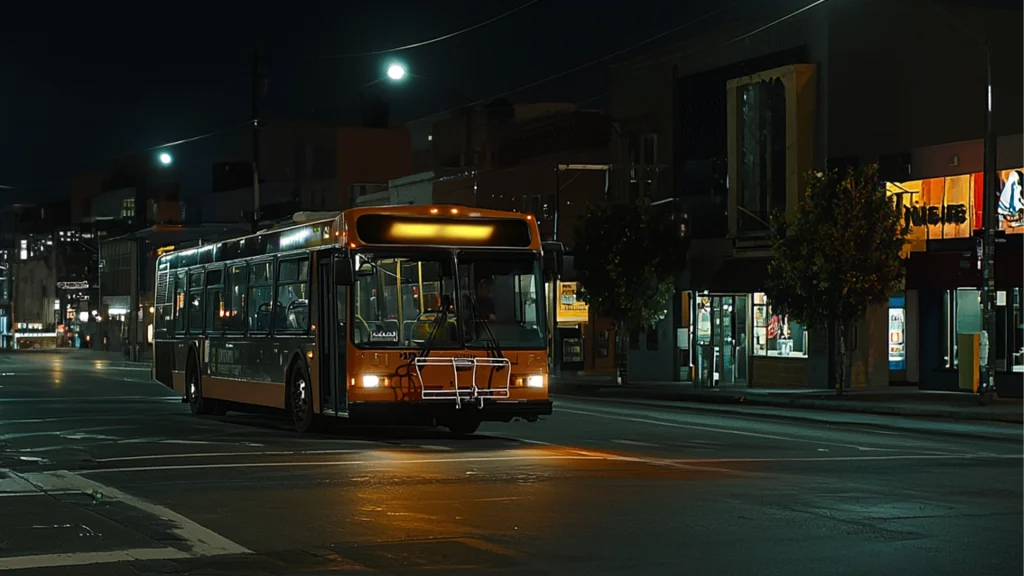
(104, 472)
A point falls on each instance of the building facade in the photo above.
(734, 118)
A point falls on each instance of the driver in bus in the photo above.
(484, 300)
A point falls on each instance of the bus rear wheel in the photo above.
(300, 399)
(194, 390)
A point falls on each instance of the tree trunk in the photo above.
(621, 353)
(841, 357)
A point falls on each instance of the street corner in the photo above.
(60, 519)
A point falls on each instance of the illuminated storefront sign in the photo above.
(569, 308)
(951, 207)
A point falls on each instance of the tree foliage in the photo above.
(627, 258)
(839, 254)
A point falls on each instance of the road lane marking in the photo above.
(79, 431)
(56, 400)
(224, 454)
(200, 540)
(37, 493)
(84, 558)
(345, 463)
(979, 456)
(726, 430)
(636, 443)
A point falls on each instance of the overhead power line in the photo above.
(433, 40)
(720, 46)
(596, 61)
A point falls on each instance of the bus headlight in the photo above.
(370, 381)
(535, 381)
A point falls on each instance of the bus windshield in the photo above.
(502, 293)
(395, 300)
(498, 301)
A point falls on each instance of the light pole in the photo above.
(989, 203)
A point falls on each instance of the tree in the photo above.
(627, 258)
(839, 254)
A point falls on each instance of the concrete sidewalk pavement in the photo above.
(893, 401)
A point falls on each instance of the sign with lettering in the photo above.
(390, 336)
(73, 285)
(951, 207)
(569, 308)
(934, 215)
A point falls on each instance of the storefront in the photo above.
(740, 340)
(570, 330)
(944, 217)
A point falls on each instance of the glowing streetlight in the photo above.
(396, 72)
(165, 158)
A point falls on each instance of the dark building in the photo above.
(734, 118)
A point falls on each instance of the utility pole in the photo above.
(986, 386)
(989, 221)
(256, 93)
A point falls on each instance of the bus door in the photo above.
(331, 333)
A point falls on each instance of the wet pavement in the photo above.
(105, 472)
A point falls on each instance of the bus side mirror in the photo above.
(343, 273)
(553, 254)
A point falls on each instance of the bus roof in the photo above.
(380, 226)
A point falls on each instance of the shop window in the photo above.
(1015, 332)
(776, 334)
(961, 314)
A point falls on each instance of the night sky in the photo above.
(84, 83)
(87, 82)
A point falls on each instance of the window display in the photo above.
(776, 334)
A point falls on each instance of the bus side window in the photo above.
(179, 302)
(260, 303)
(292, 295)
(195, 302)
(214, 299)
(233, 318)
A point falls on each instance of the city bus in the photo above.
(405, 315)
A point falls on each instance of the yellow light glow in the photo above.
(409, 230)
(433, 210)
(455, 210)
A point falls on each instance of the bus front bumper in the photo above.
(429, 411)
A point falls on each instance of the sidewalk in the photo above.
(903, 401)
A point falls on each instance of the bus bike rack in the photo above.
(470, 392)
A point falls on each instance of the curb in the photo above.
(735, 410)
(737, 400)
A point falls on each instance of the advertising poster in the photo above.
(897, 334)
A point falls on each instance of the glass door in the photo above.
(740, 347)
(723, 337)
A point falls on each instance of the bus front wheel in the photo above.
(463, 425)
(300, 398)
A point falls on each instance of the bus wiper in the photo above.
(495, 345)
(440, 319)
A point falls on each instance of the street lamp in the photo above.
(165, 158)
(396, 72)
